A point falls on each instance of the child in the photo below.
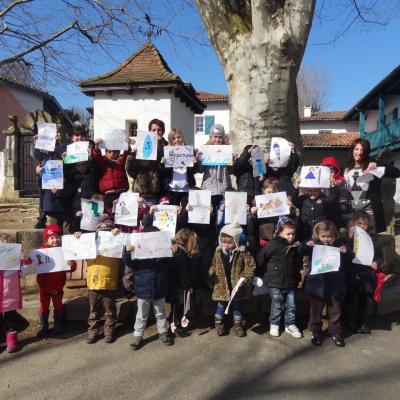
(282, 263)
(151, 288)
(10, 300)
(326, 289)
(102, 281)
(361, 279)
(51, 286)
(112, 175)
(230, 263)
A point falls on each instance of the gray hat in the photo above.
(217, 130)
(233, 230)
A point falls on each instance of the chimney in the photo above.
(307, 111)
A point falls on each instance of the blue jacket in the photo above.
(150, 276)
(320, 285)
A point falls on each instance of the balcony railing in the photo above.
(387, 137)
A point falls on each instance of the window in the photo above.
(199, 124)
(209, 123)
(395, 114)
(131, 127)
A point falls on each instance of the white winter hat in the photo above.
(233, 230)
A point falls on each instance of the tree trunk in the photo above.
(260, 44)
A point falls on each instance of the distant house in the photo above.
(142, 88)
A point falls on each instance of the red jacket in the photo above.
(112, 173)
(331, 161)
(53, 281)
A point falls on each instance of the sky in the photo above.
(357, 61)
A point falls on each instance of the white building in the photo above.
(140, 89)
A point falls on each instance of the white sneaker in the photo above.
(274, 330)
(294, 331)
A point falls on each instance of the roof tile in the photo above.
(208, 96)
(324, 116)
(329, 139)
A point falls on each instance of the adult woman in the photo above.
(366, 192)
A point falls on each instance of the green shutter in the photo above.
(209, 123)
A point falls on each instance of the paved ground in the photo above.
(204, 366)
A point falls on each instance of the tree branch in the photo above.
(12, 5)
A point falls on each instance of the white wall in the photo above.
(30, 101)
(112, 111)
(314, 127)
(182, 117)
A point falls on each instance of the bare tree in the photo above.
(313, 84)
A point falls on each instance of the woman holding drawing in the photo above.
(363, 178)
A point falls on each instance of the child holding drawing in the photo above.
(328, 288)
(280, 263)
(230, 276)
(51, 286)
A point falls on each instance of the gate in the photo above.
(27, 178)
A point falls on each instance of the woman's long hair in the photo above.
(366, 150)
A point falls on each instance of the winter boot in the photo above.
(219, 326)
(238, 328)
(58, 322)
(166, 338)
(44, 324)
(11, 340)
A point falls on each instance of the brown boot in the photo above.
(238, 327)
(219, 326)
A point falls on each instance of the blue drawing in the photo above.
(147, 147)
(260, 167)
(310, 174)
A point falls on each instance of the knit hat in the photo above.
(52, 230)
(106, 225)
(282, 221)
(164, 200)
(233, 230)
(218, 130)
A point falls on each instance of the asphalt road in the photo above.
(204, 366)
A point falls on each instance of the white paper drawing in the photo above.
(200, 201)
(115, 139)
(178, 156)
(91, 213)
(272, 205)
(53, 175)
(314, 177)
(216, 155)
(46, 139)
(10, 256)
(46, 261)
(236, 207)
(83, 248)
(146, 143)
(369, 176)
(150, 245)
(324, 259)
(280, 152)
(165, 218)
(77, 152)
(109, 245)
(257, 157)
(126, 209)
(363, 247)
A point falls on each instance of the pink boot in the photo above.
(11, 341)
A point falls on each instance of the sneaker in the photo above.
(166, 338)
(274, 330)
(294, 331)
(137, 343)
(316, 339)
(91, 339)
(364, 329)
(338, 340)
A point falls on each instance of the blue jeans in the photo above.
(282, 301)
(221, 306)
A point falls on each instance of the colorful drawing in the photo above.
(257, 156)
(110, 245)
(46, 261)
(236, 207)
(216, 155)
(325, 259)
(115, 139)
(151, 245)
(91, 213)
(165, 218)
(10, 256)
(126, 209)
(46, 139)
(363, 247)
(272, 205)
(83, 248)
(279, 153)
(178, 156)
(77, 152)
(200, 201)
(53, 175)
(146, 145)
(315, 176)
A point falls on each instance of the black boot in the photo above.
(58, 322)
(44, 324)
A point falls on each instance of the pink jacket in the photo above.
(10, 291)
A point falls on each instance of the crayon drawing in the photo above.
(272, 205)
(325, 259)
(126, 209)
(10, 256)
(279, 153)
(236, 207)
(315, 176)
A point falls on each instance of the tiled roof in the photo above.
(329, 139)
(146, 65)
(208, 96)
(324, 116)
(23, 85)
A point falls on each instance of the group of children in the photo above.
(230, 259)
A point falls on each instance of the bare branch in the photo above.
(12, 5)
